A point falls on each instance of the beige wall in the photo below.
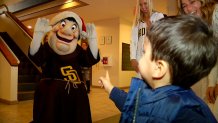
(125, 37)
(8, 80)
(106, 28)
(168, 7)
(119, 29)
(160, 6)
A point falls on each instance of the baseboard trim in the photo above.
(8, 102)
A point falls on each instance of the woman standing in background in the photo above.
(208, 11)
(144, 16)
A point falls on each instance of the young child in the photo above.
(179, 51)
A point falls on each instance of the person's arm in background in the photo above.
(133, 48)
(115, 94)
(215, 28)
(212, 79)
(212, 90)
(216, 90)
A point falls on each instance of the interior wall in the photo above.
(168, 7)
(120, 31)
(160, 6)
(8, 80)
(125, 37)
(106, 28)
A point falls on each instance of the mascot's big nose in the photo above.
(67, 31)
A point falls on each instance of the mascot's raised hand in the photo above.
(92, 39)
(40, 31)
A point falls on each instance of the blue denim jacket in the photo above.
(167, 104)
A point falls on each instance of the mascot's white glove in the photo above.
(92, 39)
(40, 30)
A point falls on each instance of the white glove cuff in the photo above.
(36, 42)
(93, 47)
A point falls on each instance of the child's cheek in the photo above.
(142, 65)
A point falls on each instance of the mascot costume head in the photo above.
(67, 29)
(55, 49)
(63, 32)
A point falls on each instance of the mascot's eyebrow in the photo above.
(69, 18)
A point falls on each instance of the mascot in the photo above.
(60, 96)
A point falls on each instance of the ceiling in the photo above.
(95, 10)
(104, 9)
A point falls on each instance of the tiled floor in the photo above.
(101, 107)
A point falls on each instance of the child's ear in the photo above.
(160, 69)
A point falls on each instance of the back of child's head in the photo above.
(187, 44)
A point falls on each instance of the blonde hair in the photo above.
(139, 16)
(207, 11)
(181, 11)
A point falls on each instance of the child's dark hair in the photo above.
(187, 44)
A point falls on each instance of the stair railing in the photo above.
(16, 20)
(3, 5)
(8, 54)
(20, 25)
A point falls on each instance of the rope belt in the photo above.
(68, 85)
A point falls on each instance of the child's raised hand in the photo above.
(105, 82)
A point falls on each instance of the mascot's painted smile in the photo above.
(63, 39)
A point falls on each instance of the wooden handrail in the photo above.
(3, 5)
(8, 54)
(23, 28)
(16, 20)
(19, 23)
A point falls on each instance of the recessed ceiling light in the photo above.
(67, 1)
(29, 27)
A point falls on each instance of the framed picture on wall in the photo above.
(102, 40)
(108, 39)
(126, 64)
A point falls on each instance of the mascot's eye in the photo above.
(63, 23)
(74, 27)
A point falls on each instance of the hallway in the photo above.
(102, 108)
